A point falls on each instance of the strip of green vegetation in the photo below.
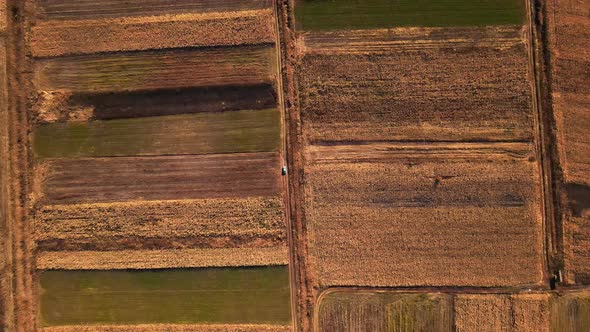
(257, 295)
(202, 133)
(324, 15)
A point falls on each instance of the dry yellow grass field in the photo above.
(56, 38)
(161, 259)
(494, 313)
(205, 223)
(424, 215)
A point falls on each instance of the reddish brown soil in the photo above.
(158, 178)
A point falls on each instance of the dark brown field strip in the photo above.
(84, 9)
(157, 69)
(176, 101)
(200, 133)
(58, 38)
(69, 181)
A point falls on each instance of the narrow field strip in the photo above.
(91, 9)
(408, 39)
(200, 133)
(203, 223)
(229, 295)
(171, 328)
(62, 106)
(56, 38)
(92, 180)
(160, 259)
(313, 15)
(150, 70)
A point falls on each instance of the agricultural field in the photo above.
(464, 202)
(296, 165)
(155, 173)
(568, 25)
(225, 295)
(349, 310)
(314, 15)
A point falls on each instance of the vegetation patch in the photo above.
(202, 133)
(212, 295)
(315, 15)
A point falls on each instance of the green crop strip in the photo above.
(325, 15)
(256, 295)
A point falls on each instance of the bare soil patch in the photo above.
(93, 180)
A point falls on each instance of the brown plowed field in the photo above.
(157, 70)
(165, 102)
(54, 38)
(89, 180)
(190, 223)
(569, 37)
(473, 221)
(85, 9)
(158, 259)
(449, 89)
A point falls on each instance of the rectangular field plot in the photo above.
(361, 311)
(60, 106)
(69, 181)
(216, 295)
(454, 84)
(56, 38)
(88, 9)
(203, 223)
(202, 133)
(445, 215)
(313, 15)
(157, 69)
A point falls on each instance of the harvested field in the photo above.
(147, 70)
(475, 218)
(61, 106)
(371, 14)
(568, 40)
(171, 328)
(5, 187)
(221, 222)
(91, 180)
(55, 38)
(452, 85)
(160, 259)
(362, 311)
(492, 313)
(202, 133)
(88, 9)
(225, 296)
(571, 312)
